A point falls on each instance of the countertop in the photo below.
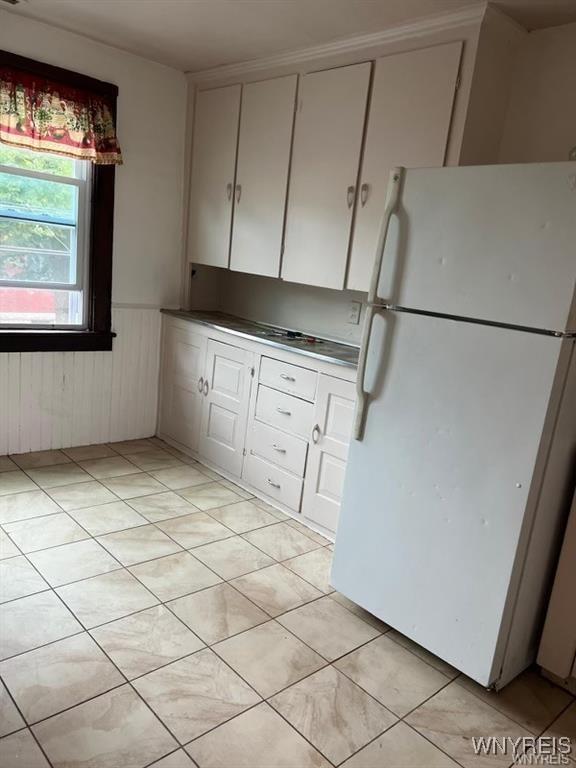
(316, 347)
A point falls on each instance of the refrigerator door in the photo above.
(435, 494)
(483, 242)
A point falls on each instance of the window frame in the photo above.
(96, 333)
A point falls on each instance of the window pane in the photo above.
(37, 161)
(24, 197)
(21, 306)
(37, 253)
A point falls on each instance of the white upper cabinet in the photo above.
(216, 118)
(326, 156)
(262, 175)
(408, 125)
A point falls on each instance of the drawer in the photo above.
(288, 378)
(284, 411)
(273, 481)
(286, 451)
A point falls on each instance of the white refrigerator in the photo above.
(462, 465)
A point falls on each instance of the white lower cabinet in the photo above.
(333, 415)
(225, 411)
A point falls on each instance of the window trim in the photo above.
(97, 336)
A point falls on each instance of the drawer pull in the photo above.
(316, 433)
(278, 448)
(284, 412)
(273, 484)
(286, 377)
(200, 384)
(206, 387)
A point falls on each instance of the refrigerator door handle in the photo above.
(361, 394)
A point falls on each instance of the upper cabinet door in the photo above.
(408, 125)
(326, 156)
(213, 165)
(262, 175)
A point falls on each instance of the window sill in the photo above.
(22, 340)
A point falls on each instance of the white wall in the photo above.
(50, 400)
(540, 124)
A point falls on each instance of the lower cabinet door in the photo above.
(227, 383)
(334, 412)
(181, 398)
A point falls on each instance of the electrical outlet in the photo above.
(354, 312)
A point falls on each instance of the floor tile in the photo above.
(359, 611)
(183, 476)
(57, 475)
(43, 532)
(178, 759)
(87, 452)
(14, 482)
(195, 529)
(112, 730)
(175, 575)
(138, 544)
(7, 547)
(232, 557)
(130, 486)
(317, 537)
(565, 725)
(242, 492)
(333, 713)
(314, 567)
(7, 465)
(216, 613)
(37, 459)
(278, 514)
(452, 717)
(81, 495)
(144, 641)
(269, 658)
(23, 506)
(107, 518)
(21, 751)
(33, 621)
(400, 747)
(105, 598)
(393, 675)
(281, 541)
(210, 473)
(424, 654)
(58, 676)
(259, 738)
(176, 453)
(276, 589)
(209, 496)
(155, 458)
(530, 700)
(132, 446)
(243, 516)
(195, 694)
(162, 506)
(112, 466)
(72, 562)
(328, 628)
(10, 718)
(19, 579)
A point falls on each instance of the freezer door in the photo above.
(435, 494)
(492, 242)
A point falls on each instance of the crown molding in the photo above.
(357, 43)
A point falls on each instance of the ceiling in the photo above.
(192, 35)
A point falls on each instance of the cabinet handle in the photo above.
(273, 484)
(364, 190)
(278, 448)
(284, 412)
(200, 384)
(286, 377)
(350, 195)
(316, 432)
(206, 387)
(238, 192)
(229, 191)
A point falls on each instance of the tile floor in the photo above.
(153, 613)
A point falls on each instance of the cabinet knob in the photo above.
(364, 191)
(229, 191)
(238, 192)
(350, 192)
(316, 432)
(206, 387)
(200, 383)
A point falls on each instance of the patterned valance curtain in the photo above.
(45, 115)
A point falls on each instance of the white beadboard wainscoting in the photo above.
(61, 399)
